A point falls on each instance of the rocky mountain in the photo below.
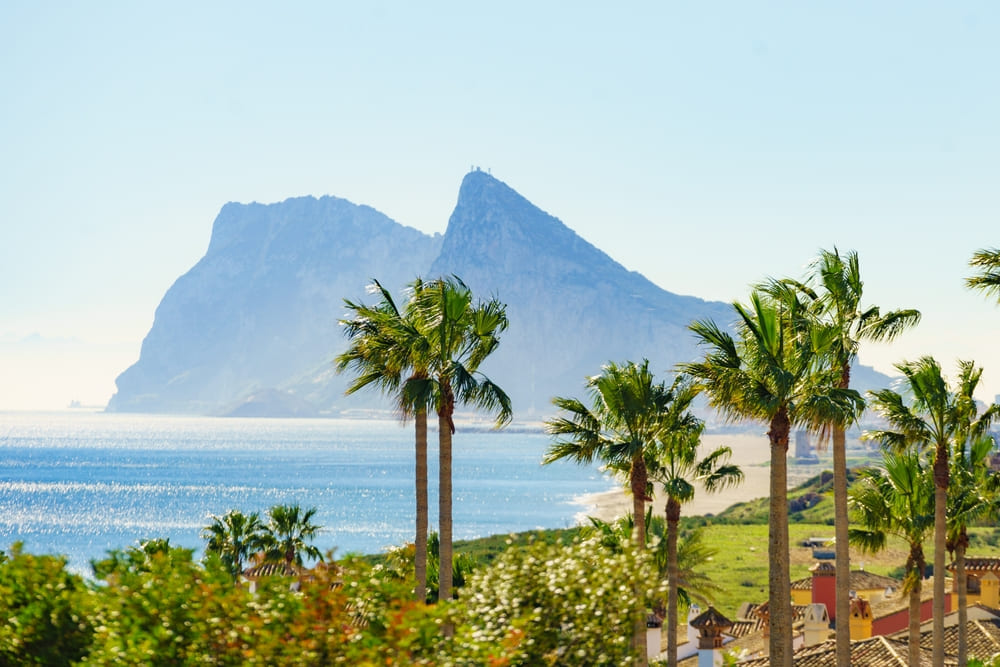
(571, 307)
(252, 329)
(260, 311)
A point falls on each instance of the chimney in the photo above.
(710, 625)
(861, 619)
(692, 632)
(824, 586)
(817, 624)
(654, 636)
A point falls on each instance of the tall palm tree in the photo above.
(934, 416)
(772, 373)
(897, 499)
(388, 352)
(987, 261)
(235, 537)
(675, 463)
(838, 304)
(973, 495)
(461, 333)
(621, 429)
(290, 532)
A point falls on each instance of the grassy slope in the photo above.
(740, 536)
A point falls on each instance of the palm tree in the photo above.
(289, 534)
(621, 429)
(838, 304)
(973, 495)
(388, 352)
(235, 537)
(897, 499)
(936, 417)
(676, 465)
(771, 372)
(460, 333)
(988, 280)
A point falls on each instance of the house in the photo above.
(983, 581)
(821, 586)
(983, 633)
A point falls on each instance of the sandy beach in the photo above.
(750, 452)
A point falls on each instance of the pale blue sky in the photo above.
(705, 145)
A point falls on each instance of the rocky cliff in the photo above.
(252, 329)
(571, 307)
(260, 311)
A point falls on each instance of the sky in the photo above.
(705, 145)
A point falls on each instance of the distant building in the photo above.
(804, 454)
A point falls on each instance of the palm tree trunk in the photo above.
(639, 479)
(940, 537)
(914, 635)
(779, 583)
(842, 611)
(444, 505)
(420, 541)
(673, 517)
(961, 581)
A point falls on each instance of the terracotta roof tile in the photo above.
(861, 580)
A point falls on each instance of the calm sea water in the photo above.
(80, 483)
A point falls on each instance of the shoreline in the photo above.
(750, 452)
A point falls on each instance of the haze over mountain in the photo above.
(252, 328)
(260, 310)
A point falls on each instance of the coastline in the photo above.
(751, 452)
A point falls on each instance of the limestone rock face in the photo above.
(252, 328)
(571, 307)
(260, 310)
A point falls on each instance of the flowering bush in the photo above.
(535, 605)
(558, 605)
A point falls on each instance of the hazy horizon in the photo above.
(706, 147)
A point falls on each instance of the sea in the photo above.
(80, 483)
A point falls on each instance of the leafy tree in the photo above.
(772, 372)
(987, 262)
(43, 608)
(235, 537)
(935, 417)
(290, 531)
(558, 605)
(461, 333)
(387, 351)
(834, 291)
(138, 558)
(897, 499)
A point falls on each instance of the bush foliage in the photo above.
(534, 605)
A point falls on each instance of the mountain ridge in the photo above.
(252, 328)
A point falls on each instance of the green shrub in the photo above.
(43, 611)
(557, 605)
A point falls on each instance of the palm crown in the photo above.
(988, 279)
(290, 534)
(235, 537)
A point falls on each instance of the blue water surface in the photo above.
(80, 483)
